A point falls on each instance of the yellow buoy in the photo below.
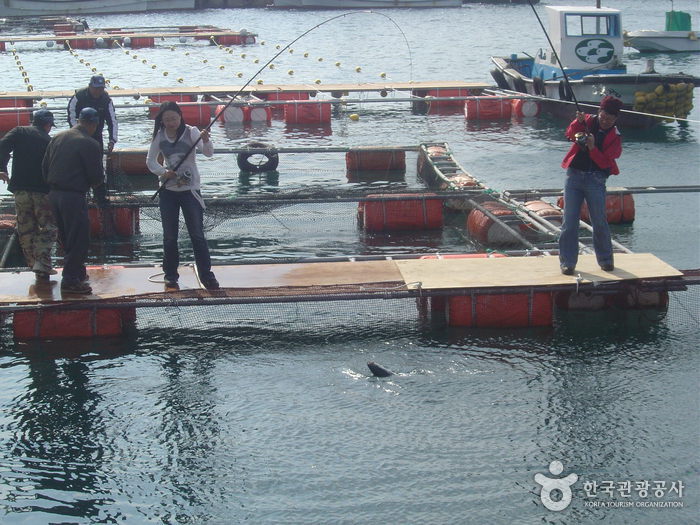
(358, 69)
(383, 75)
(318, 81)
(354, 116)
(290, 72)
(260, 81)
(337, 64)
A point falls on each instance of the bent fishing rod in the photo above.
(556, 55)
(233, 98)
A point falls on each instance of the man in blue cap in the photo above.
(71, 166)
(94, 96)
(36, 228)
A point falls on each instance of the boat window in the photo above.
(591, 25)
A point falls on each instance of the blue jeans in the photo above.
(170, 203)
(588, 185)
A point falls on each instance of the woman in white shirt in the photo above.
(174, 139)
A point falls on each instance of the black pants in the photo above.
(71, 215)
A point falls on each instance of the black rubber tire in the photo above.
(500, 78)
(270, 164)
(565, 91)
(519, 85)
(538, 86)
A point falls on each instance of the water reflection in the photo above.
(54, 432)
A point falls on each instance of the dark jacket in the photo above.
(605, 156)
(27, 145)
(105, 110)
(73, 162)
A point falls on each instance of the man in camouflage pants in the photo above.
(35, 223)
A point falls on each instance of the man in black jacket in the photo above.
(94, 96)
(36, 228)
(71, 166)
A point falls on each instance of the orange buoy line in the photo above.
(258, 90)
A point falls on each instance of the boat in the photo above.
(362, 4)
(588, 44)
(678, 37)
(33, 8)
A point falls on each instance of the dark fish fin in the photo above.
(378, 371)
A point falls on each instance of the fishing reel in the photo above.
(581, 138)
(183, 178)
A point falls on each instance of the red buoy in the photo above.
(365, 159)
(500, 310)
(484, 229)
(380, 214)
(619, 208)
(318, 113)
(487, 108)
(62, 323)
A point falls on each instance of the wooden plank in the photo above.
(109, 282)
(526, 271)
(117, 282)
(257, 89)
(307, 274)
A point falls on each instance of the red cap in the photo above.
(611, 105)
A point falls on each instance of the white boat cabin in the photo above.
(588, 40)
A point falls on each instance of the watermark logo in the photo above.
(562, 485)
(556, 493)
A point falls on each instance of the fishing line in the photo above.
(302, 35)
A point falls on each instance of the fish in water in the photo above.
(378, 371)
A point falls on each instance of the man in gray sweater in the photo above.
(71, 166)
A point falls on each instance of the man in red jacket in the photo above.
(589, 162)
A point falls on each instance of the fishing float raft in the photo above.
(516, 287)
(73, 35)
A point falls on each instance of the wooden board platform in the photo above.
(526, 271)
(120, 282)
(259, 89)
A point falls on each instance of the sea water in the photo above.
(267, 413)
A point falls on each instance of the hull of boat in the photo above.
(559, 98)
(663, 41)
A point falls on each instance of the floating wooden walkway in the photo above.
(258, 89)
(250, 281)
(475, 292)
(118, 35)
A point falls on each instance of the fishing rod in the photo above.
(556, 55)
(233, 98)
